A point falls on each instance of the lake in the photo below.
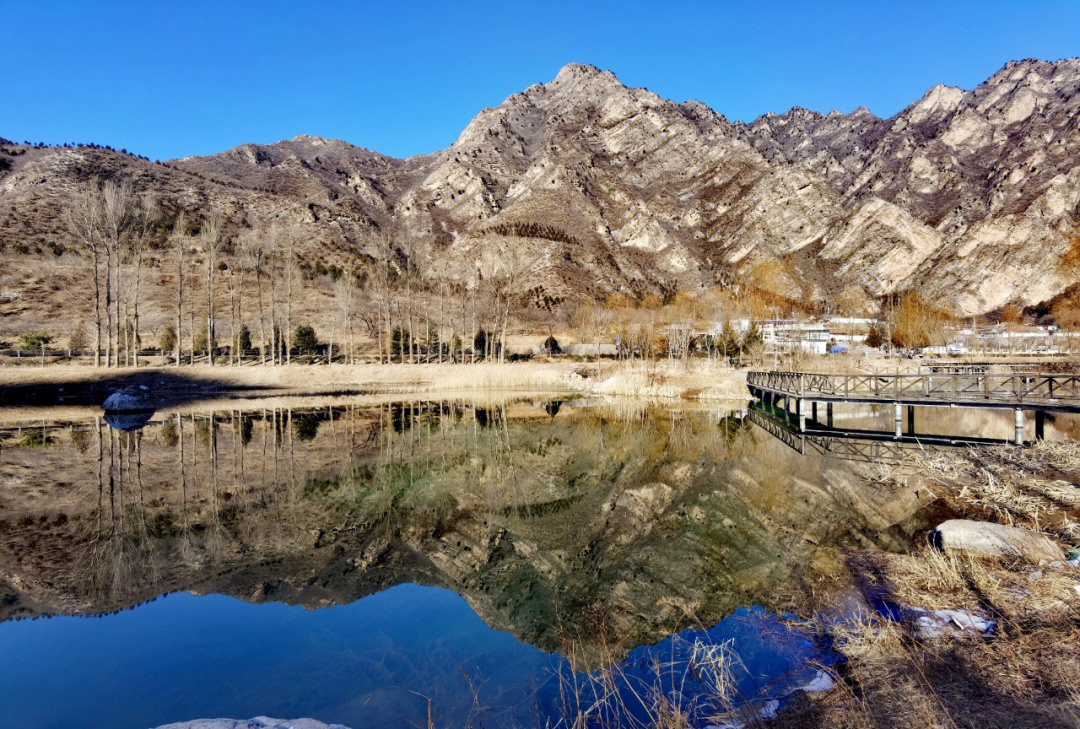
(377, 564)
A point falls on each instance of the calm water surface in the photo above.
(368, 563)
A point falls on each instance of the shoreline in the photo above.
(78, 385)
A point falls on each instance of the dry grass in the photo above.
(697, 380)
(1027, 673)
(1033, 487)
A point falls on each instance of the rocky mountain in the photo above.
(969, 197)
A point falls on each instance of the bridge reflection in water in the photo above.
(852, 444)
(1018, 392)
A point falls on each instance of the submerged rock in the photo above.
(259, 722)
(128, 419)
(995, 540)
(129, 399)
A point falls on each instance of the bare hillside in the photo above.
(970, 197)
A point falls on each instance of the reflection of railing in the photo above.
(872, 451)
(1011, 390)
(791, 438)
(871, 446)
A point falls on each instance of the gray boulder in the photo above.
(129, 399)
(995, 540)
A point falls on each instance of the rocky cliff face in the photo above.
(970, 197)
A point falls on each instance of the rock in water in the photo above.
(128, 419)
(995, 540)
(129, 399)
(259, 722)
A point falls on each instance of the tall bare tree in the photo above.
(289, 240)
(84, 216)
(252, 258)
(506, 267)
(180, 242)
(384, 279)
(346, 296)
(143, 231)
(118, 217)
(210, 240)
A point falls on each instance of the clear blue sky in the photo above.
(401, 77)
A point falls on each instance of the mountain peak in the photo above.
(580, 70)
(580, 76)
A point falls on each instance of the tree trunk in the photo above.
(262, 317)
(210, 307)
(97, 308)
(135, 307)
(108, 308)
(179, 303)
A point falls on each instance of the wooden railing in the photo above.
(1008, 389)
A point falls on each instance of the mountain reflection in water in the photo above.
(577, 529)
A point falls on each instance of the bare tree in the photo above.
(252, 258)
(210, 241)
(345, 294)
(143, 230)
(84, 216)
(383, 279)
(179, 240)
(289, 239)
(506, 266)
(117, 218)
(411, 273)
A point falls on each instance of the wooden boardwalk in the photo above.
(1026, 391)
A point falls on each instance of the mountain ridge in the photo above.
(969, 197)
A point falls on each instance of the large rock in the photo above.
(129, 399)
(259, 722)
(995, 540)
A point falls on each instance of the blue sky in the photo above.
(401, 77)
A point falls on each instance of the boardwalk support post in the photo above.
(813, 411)
(801, 412)
(828, 413)
(898, 419)
(1018, 426)
(911, 419)
(1040, 424)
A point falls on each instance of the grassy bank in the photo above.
(1023, 672)
(1026, 672)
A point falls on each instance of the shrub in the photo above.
(551, 345)
(306, 426)
(77, 339)
(483, 340)
(167, 339)
(873, 338)
(33, 341)
(400, 343)
(35, 439)
(243, 338)
(200, 342)
(304, 339)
